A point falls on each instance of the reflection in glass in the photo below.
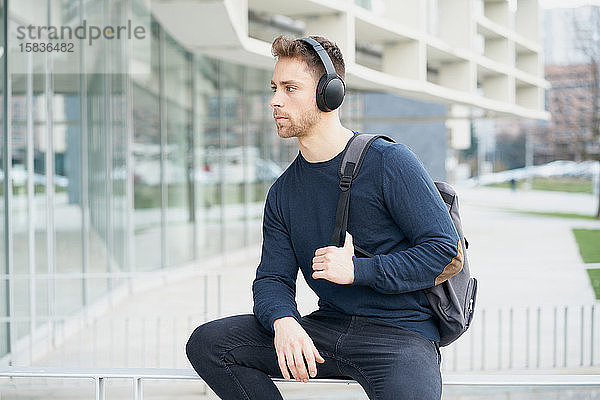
(234, 155)
(179, 222)
(135, 171)
(146, 153)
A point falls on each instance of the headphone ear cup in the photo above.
(330, 93)
(321, 86)
(334, 93)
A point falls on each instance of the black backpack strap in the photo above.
(352, 159)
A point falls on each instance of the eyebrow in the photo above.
(288, 82)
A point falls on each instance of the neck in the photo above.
(326, 140)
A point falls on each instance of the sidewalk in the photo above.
(526, 259)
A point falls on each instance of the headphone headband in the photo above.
(331, 87)
(325, 59)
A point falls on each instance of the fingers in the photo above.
(348, 240)
(282, 365)
(291, 364)
(294, 361)
(310, 360)
(301, 373)
(317, 355)
(323, 250)
(320, 275)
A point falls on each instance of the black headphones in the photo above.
(331, 87)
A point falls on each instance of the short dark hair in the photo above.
(284, 46)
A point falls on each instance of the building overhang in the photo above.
(219, 29)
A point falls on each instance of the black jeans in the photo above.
(236, 356)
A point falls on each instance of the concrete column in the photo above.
(408, 13)
(337, 27)
(497, 49)
(459, 126)
(458, 75)
(406, 59)
(456, 27)
(527, 19)
(497, 11)
(530, 96)
(499, 87)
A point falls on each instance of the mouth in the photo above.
(279, 119)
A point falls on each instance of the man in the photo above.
(374, 323)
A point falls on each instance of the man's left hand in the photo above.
(334, 263)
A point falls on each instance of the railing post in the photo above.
(527, 335)
(175, 337)
(538, 356)
(581, 337)
(138, 393)
(205, 298)
(510, 338)
(100, 393)
(565, 327)
(499, 338)
(126, 349)
(219, 295)
(592, 336)
(555, 338)
(158, 323)
(472, 350)
(483, 349)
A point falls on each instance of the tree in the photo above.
(586, 25)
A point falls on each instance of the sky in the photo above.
(567, 3)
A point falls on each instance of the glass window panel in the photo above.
(207, 157)
(118, 194)
(178, 173)
(98, 154)
(3, 267)
(67, 178)
(234, 157)
(20, 297)
(19, 174)
(41, 300)
(68, 296)
(96, 288)
(146, 166)
(118, 59)
(260, 126)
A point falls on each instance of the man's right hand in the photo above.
(293, 346)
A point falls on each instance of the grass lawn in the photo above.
(555, 214)
(594, 274)
(554, 184)
(588, 241)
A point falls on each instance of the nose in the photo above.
(275, 100)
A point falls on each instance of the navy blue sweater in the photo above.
(395, 213)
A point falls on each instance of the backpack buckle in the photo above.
(345, 183)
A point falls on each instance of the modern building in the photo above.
(571, 56)
(143, 140)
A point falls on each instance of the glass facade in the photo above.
(123, 158)
(143, 162)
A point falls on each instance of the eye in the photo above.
(273, 89)
(290, 88)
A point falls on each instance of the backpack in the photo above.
(452, 301)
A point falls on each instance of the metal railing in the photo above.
(139, 375)
(512, 338)
(542, 337)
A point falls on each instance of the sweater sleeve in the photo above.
(274, 288)
(419, 212)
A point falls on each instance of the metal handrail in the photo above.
(99, 375)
